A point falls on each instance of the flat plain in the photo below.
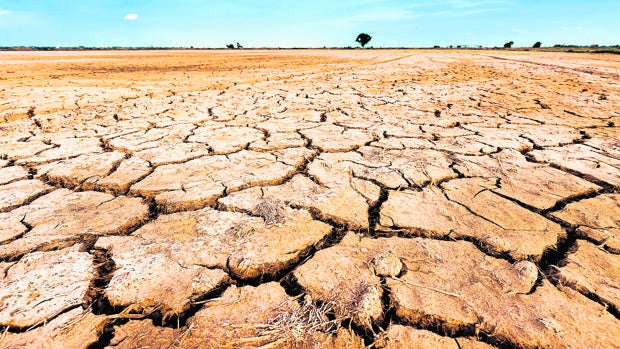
(309, 198)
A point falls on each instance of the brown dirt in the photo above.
(309, 198)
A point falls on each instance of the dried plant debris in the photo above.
(297, 325)
(271, 210)
(245, 317)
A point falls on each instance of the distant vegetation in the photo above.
(363, 39)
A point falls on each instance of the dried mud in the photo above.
(327, 199)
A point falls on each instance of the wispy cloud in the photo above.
(458, 8)
(462, 12)
(385, 11)
(131, 16)
(382, 14)
(460, 4)
(470, 3)
(4, 12)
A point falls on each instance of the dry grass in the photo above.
(273, 211)
(375, 155)
(299, 326)
(355, 296)
(308, 324)
(242, 229)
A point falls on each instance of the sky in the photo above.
(319, 23)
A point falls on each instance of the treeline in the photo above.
(557, 47)
(89, 48)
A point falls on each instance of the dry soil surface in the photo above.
(334, 199)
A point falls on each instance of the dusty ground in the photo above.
(393, 199)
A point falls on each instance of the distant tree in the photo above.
(363, 39)
(537, 44)
(239, 45)
(509, 44)
(231, 46)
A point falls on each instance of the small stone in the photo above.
(387, 265)
(521, 277)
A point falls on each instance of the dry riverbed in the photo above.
(332, 199)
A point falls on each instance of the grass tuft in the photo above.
(242, 229)
(300, 326)
(273, 211)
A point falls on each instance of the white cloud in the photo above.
(4, 12)
(131, 17)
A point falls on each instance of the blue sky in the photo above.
(280, 23)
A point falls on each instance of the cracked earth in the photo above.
(333, 199)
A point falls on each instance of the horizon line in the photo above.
(151, 47)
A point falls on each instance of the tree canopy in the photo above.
(363, 39)
(509, 44)
(537, 44)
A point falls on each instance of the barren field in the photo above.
(328, 199)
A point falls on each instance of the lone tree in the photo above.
(363, 39)
(537, 44)
(508, 44)
(230, 46)
(239, 45)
